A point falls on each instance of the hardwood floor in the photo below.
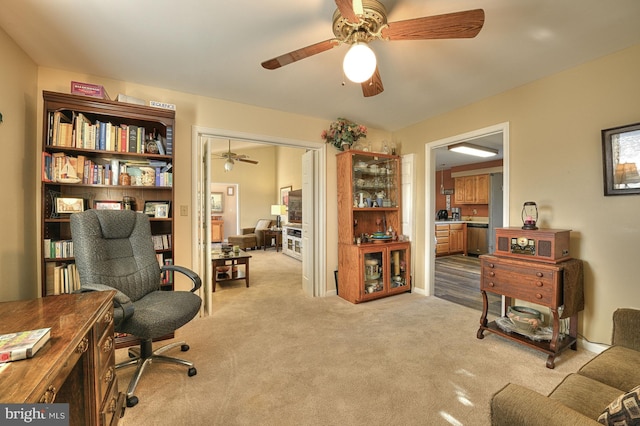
(457, 279)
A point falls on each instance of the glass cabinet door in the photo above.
(374, 181)
(398, 268)
(373, 277)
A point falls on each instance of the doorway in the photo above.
(431, 162)
(314, 191)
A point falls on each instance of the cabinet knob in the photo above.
(539, 274)
(491, 284)
(492, 274)
(538, 296)
(491, 265)
(539, 283)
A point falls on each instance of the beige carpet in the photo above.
(271, 356)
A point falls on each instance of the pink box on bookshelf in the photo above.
(88, 89)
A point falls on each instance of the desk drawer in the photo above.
(533, 284)
(113, 407)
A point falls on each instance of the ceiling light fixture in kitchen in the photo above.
(471, 149)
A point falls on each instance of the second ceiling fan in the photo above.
(358, 22)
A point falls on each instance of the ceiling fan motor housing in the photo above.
(368, 29)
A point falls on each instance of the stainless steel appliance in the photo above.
(455, 213)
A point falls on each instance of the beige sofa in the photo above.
(584, 396)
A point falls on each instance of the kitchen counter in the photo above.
(479, 220)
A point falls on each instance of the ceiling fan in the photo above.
(358, 22)
(232, 157)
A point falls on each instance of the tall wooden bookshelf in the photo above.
(98, 139)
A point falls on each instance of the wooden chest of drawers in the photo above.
(535, 282)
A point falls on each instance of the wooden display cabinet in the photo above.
(369, 223)
(217, 229)
(84, 140)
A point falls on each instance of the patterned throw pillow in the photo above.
(624, 411)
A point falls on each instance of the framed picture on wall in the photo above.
(217, 200)
(621, 159)
(284, 195)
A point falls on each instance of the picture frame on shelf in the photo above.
(107, 205)
(150, 207)
(284, 195)
(67, 205)
(162, 211)
(621, 160)
(217, 202)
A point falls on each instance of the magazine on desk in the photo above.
(23, 344)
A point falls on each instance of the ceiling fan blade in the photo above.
(299, 54)
(373, 86)
(348, 10)
(465, 24)
(246, 160)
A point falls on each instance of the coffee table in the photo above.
(232, 260)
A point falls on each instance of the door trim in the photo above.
(199, 259)
(430, 198)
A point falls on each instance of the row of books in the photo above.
(74, 130)
(63, 168)
(61, 279)
(161, 242)
(57, 249)
(167, 276)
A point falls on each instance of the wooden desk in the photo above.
(76, 365)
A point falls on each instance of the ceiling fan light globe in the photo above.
(359, 63)
(228, 165)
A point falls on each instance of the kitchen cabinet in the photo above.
(372, 261)
(450, 238)
(472, 189)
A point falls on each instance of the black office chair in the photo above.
(114, 251)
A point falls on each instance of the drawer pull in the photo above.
(112, 405)
(491, 284)
(109, 375)
(539, 274)
(49, 395)
(108, 317)
(83, 346)
(492, 274)
(539, 283)
(538, 296)
(491, 265)
(107, 346)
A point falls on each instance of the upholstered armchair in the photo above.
(114, 251)
(261, 226)
(251, 237)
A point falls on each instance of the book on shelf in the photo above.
(61, 278)
(22, 344)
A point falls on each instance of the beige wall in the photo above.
(556, 160)
(19, 173)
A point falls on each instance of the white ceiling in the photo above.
(214, 48)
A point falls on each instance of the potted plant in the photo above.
(343, 133)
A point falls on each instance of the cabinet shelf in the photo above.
(370, 270)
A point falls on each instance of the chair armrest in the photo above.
(626, 322)
(122, 305)
(246, 231)
(517, 405)
(195, 278)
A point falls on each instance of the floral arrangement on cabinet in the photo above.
(343, 133)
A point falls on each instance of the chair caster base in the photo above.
(192, 372)
(132, 401)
